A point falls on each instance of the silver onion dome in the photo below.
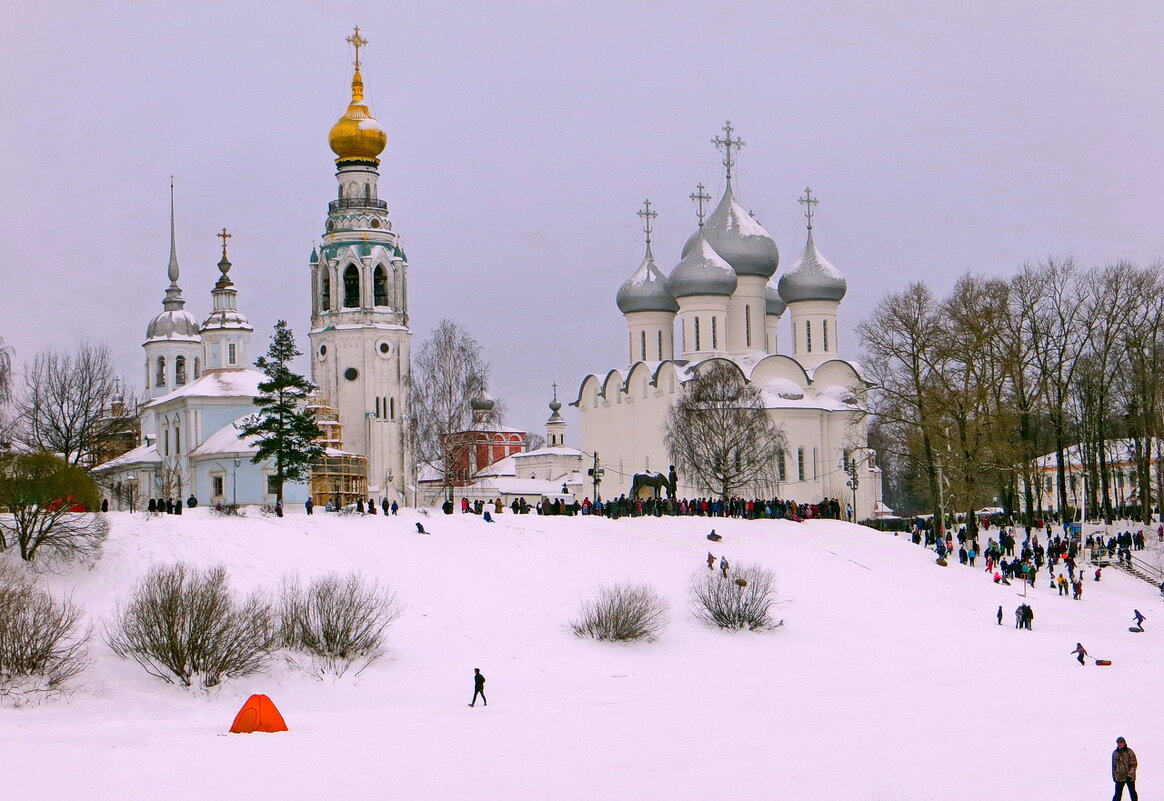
(701, 272)
(812, 278)
(646, 290)
(738, 239)
(773, 305)
(173, 324)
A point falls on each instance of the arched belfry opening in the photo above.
(351, 287)
(380, 286)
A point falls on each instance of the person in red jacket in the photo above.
(1080, 651)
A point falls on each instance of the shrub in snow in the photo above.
(622, 612)
(183, 624)
(742, 600)
(42, 645)
(338, 621)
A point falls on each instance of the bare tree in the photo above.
(622, 613)
(73, 403)
(184, 624)
(50, 509)
(720, 434)
(42, 641)
(338, 621)
(742, 600)
(448, 372)
(534, 441)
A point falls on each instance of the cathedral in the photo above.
(728, 304)
(200, 383)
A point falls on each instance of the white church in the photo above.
(200, 382)
(728, 304)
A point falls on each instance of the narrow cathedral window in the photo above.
(377, 406)
(800, 463)
(180, 371)
(825, 327)
(197, 368)
(714, 333)
(380, 286)
(351, 287)
(232, 353)
(643, 344)
(781, 473)
(697, 333)
(748, 326)
(660, 346)
(392, 408)
(807, 337)
(161, 379)
(325, 292)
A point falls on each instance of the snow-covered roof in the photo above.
(227, 440)
(502, 467)
(1118, 451)
(241, 383)
(142, 454)
(549, 452)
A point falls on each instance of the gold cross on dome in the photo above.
(700, 197)
(726, 144)
(646, 213)
(808, 201)
(223, 235)
(357, 42)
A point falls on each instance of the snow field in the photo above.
(890, 680)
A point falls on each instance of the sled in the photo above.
(714, 537)
(1136, 629)
(741, 582)
(942, 562)
(1103, 662)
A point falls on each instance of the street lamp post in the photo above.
(234, 481)
(852, 484)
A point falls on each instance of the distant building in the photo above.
(1120, 458)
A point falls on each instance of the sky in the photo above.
(940, 138)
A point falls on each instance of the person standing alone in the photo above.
(1123, 770)
(478, 688)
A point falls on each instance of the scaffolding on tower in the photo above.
(340, 478)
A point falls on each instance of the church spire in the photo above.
(173, 300)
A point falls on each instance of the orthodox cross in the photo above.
(700, 197)
(223, 235)
(727, 144)
(809, 201)
(647, 215)
(555, 390)
(357, 41)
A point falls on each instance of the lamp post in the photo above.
(234, 481)
(853, 483)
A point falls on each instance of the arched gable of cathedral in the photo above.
(779, 366)
(613, 386)
(639, 380)
(839, 372)
(589, 392)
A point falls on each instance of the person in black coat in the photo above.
(478, 687)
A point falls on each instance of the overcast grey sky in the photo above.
(941, 137)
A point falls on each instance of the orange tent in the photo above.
(258, 714)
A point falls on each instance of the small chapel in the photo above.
(728, 304)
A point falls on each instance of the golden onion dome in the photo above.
(357, 136)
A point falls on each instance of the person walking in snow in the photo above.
(1080, 652)
(710, 561)
(478, 687)
(1139, 619)
(723, 565)
(1000, 614)
(1123, 770)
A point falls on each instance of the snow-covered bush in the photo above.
(742, 600)
(184, 624)
(622, 612)
(337, 621)
(42, 644)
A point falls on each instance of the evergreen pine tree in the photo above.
(287, 433)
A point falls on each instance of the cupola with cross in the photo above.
(648, 305)
(702, 284)
(742, 242)
(360, 341)
(813, 290)
(226, 332)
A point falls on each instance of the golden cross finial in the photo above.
(223, 235)
(357, 41)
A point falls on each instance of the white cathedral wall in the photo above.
(745, 313)
(713, 337)
(771, 333)
(648, 326)
(814, 350)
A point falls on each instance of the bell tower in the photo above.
(361, 346)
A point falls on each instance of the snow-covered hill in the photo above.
(889, 681)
